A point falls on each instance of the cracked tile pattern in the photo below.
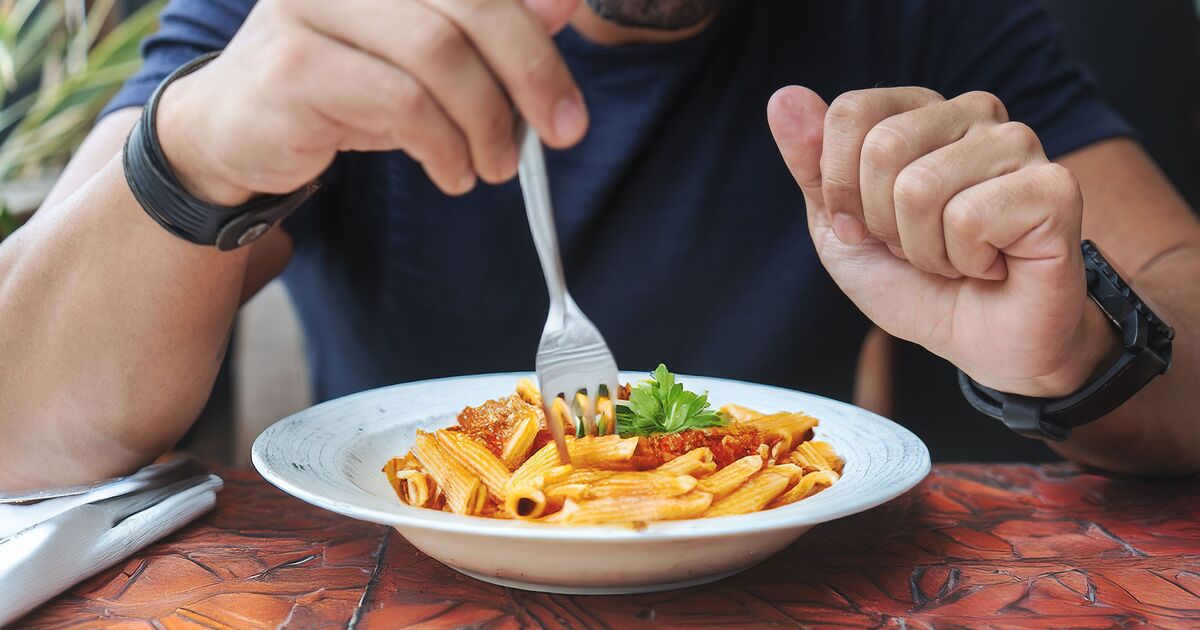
(973, 545)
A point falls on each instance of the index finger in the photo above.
(516, 44)
(850, 118)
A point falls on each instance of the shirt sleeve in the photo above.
(187, 29)
(1013, 50)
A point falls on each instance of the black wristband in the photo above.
(163, 197)
(1146, 344)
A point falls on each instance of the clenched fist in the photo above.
(947, 226)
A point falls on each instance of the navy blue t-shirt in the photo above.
(684, 236)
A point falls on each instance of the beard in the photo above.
(666, 15)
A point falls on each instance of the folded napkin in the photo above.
(49, 545)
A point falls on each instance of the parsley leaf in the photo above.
(660, 405)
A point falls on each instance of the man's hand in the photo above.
(304, 79)
(947, 225)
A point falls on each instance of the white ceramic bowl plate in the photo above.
(330, 455)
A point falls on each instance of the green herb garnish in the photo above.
(660, 405)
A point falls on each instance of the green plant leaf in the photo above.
(661, 405)
(59, 116)
(14, 112)
(98, 14)
(33, 45)
(15, 19)
(8, 68)
(124, 40)
(8, 224)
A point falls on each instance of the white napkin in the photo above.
(48, 546)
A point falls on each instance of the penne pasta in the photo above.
(584, 405)
(588, 475)
(809, 458)
(538, 464)
(625, 510)
(808, 485)
(499, 462)
(791, 428)
(825, 449)
(520, 442)
(410, 484)
(557, 494)
(625, 484)
(609, 451)
(767, 453)
(696, 462)
(730, 477)
(607, 414)
(739, 413)
(396, 464)
(753, 496)
(792, 472)
(390, 469)
(465, 493)
(527, 500)
(529, 392)
(416, 488)
(560, 412)
(477, 459)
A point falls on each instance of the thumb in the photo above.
(554, 14)
(797, 119)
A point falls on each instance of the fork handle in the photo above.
(535, 188)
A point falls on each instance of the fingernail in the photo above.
(569, 120)
(848, 228)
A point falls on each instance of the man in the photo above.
(932, 205)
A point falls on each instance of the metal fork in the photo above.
(572, 355)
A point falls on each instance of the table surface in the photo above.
(975, 545)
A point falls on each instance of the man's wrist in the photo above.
(1096, 346)
(177, 124)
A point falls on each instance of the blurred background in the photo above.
(61, 60)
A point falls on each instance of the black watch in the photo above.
(167, 201)
(1146, 341)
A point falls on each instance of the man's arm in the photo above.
(947, 225)
(113, 328)
(1134, 214)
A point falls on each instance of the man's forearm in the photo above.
(113, 331)
(1157, 432)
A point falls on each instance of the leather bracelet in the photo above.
(160, 193)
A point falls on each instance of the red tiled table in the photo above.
(973, 545)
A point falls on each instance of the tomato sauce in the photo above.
(492, 422)
(728, 444)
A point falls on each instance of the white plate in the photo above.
(330, 455)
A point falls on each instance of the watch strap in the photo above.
(1146, 341)
(1054, 418)
(160, 193)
